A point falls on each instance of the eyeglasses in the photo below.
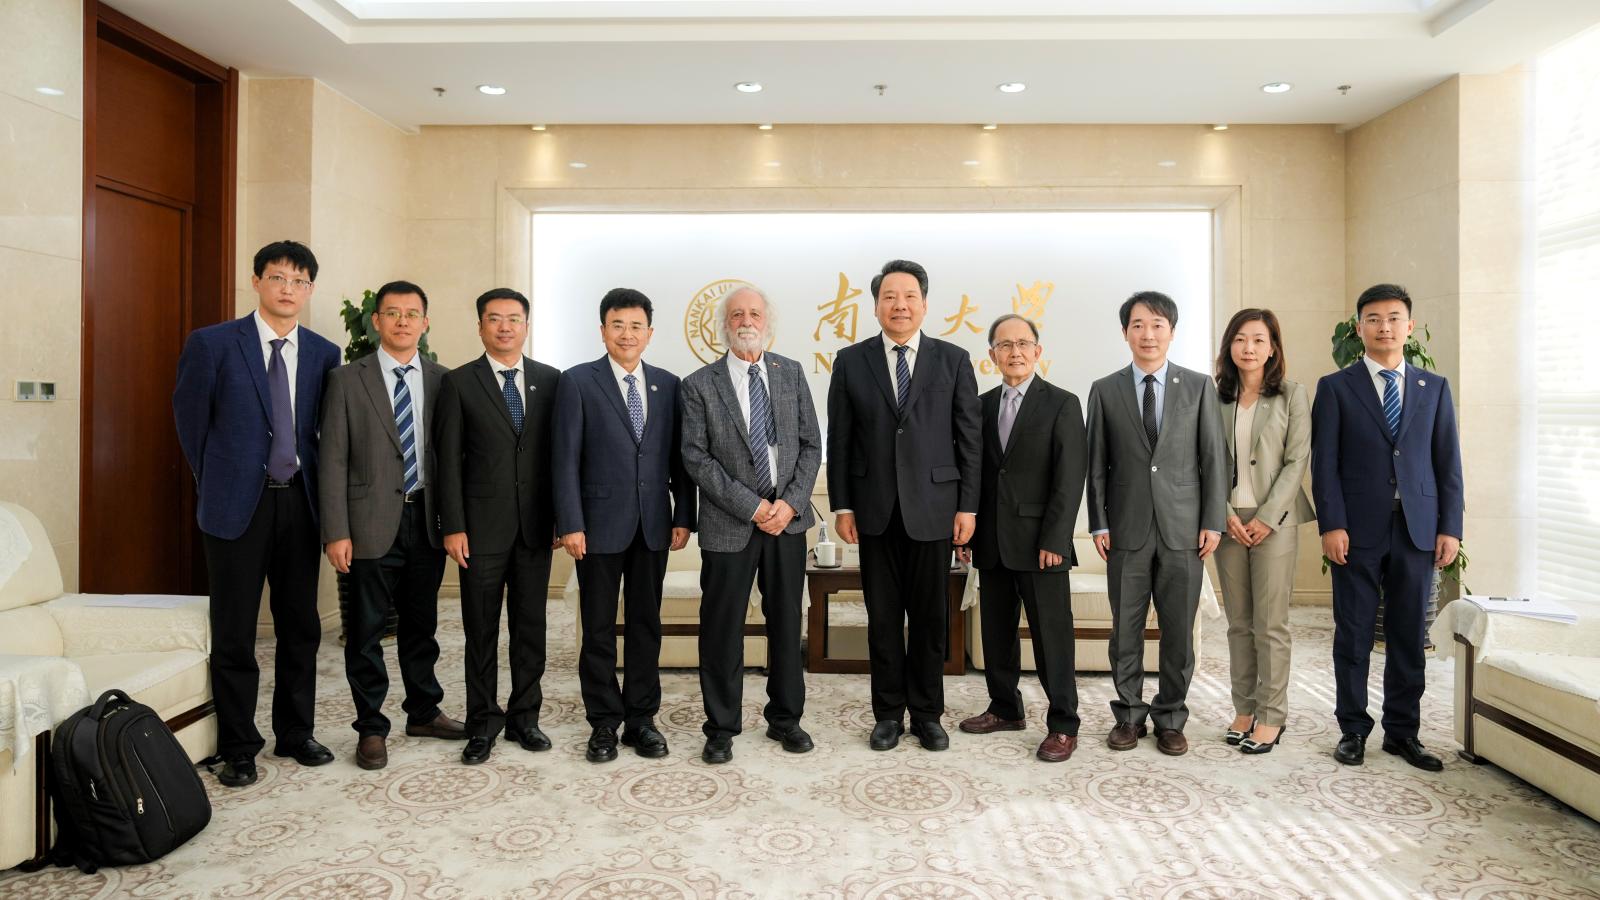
(497, 320)
(633, 329)
(410, 315)
(278, 281)
(1008, 346)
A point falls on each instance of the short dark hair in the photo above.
(1228, 370)
(292, 252)
(501, 294)
(901, 265)
(1159, 303)
(400, 287)
(627, 298)
(1380, 292)
(993, 327)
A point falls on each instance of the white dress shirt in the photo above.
(387, 364)
(618, 372)
(521, 381)
(739, 371)
(1378, 385)
(1160, 388)
(893, 358)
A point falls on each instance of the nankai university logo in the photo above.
(700, 326)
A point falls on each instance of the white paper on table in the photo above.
(140, 601)
(1529, 607)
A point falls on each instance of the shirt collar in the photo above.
(1022, 388)
(620, 373)
(267, 335)
(389, 363)
(1373, 368)
(1160, 374)
(737, 366)
(499, 367)
(915, 343)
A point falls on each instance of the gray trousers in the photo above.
(1172, 579)
(1256, 584)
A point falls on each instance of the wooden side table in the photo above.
(823, 583)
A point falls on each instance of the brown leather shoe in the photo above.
(442, 726)
(372, 753)
(989, 723)
(1057, 747)
(1125, 736)
(1171, 742)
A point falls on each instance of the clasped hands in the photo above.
(1206, 543)
(773, 516)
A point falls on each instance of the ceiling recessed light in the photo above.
(748, 87)
(537, 127)
(765, 126)
(971, 162)
(1166, 163)
(1011, 87)
(578, 165)
(493, 90)
(1277, 87)
(49, 91)
(990, 127)
(1221, 127)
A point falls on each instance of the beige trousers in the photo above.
(1256, 585)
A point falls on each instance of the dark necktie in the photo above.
(281, 464)
(902, 377)
(763, 431)
(1150, 409)
(513, 398)
(1391, 401)
(406, 424)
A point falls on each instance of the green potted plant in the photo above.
(362, 340)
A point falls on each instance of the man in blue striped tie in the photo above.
(1386, 477)
(379, 527)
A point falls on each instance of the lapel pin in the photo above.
(652, 387)
(1174, 379)
(1421, 383)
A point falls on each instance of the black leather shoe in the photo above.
(886, 735)
(1410, 749)
(718, 749)
(529, 737)
(238, 771)
(931, 734)
(794, 738)
(645, 741)
(477, 750)
(1352, 750)
(602, 745)
(307, 753)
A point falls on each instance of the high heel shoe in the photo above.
(1252, 746)
(1234, 737)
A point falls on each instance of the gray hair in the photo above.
(722, 309)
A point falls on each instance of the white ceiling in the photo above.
(676, 61)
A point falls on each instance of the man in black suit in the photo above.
(904, 454)
(495, 510)
(623, 500)
(1035, 454)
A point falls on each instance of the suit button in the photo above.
(1252, 462)
(641, 484)
(1002, 471)
(269, 434)
(899, 431)
(1397, 453)
(1391, 481)
(1155, 468)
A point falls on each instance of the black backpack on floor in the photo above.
(124, 789)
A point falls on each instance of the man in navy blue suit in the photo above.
(1386, 475)
(247, 402)
(623, 499)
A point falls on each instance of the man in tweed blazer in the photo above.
(752, 444)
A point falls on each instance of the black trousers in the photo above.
(519, 578)
(1047, 596)
(776, 564)
(906, 584)
(280, 548)
(407, 580)
(637, 572)
(1404, 575)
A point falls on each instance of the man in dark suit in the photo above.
(1386, 476)
(493, 434)
(751, 442)
(622, 500)
(246, 405)
(904, 454)
(379, 522)
(1034, 457)
(1158, 499)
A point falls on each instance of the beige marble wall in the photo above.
(41, 262)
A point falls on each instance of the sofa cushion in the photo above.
(28, 570)
(96, 630)
(169, 682)
(1523, 683)
(29, 631)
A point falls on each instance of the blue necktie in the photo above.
(761, 422)
(406, 423)
(635, 407)
(281, 464)
(1391, 401)
(902, 377)
(513, 398)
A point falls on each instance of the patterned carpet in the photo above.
(984, 820)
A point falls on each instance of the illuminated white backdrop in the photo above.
(1069, 271)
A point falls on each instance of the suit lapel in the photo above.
(654, 401)
(784, 410)
(1411, 403)
(372, 379)
(600, 371)
(306, 384)
(925, 354)
(1031, 401)
(1367, 396)
(432, 379)
(250, 346)
(491, 384)
(1230, 418)
(721, 377)
(1131, 402)
(878, 365)
(1265, 408)
(991, 422)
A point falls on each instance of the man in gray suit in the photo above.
(378, 521)
(752, 444)
(1157, 496)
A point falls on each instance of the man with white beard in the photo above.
(751, 443)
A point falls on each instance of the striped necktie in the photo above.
(406, 423)
(763, 431)
(902, 377)
(1391, 401)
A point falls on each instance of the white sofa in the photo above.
(1528, 698)
(158, 656)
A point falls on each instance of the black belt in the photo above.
(413, 497)
(294, 481)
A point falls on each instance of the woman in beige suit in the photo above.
(1267, 421)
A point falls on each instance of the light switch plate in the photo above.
(33, 390)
